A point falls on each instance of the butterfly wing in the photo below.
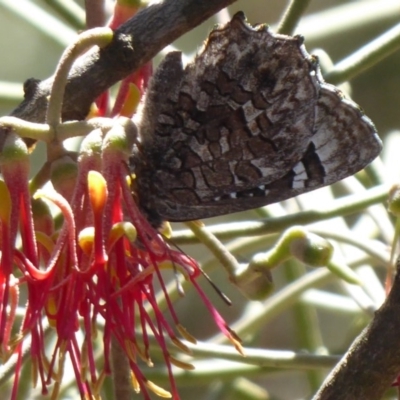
(249, 123)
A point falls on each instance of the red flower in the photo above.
(102, 264)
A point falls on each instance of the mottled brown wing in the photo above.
(248, 123)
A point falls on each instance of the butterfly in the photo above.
(248, 123)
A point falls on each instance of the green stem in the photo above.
(256, 361)
(10, 92)
(366, 245)
(367, 56)
(98, 36)
(279, 302)
(306, 320)
(227, 260)
(42, 177)
(292, 16)
(27, 129)
(42, 21)
(70, 11)
(340, 207)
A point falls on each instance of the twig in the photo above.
(373, 360)
(367, 56)
(292, 16)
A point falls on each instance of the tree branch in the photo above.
(373, 360)
(135, 42)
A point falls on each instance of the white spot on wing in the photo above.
(300, 177)
(298, 184)
(253, 126)
(299, 168)
(223, 142)
(327, 149)
(250, 112)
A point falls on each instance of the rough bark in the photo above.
(372, 363)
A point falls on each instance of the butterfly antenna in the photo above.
(220, 293)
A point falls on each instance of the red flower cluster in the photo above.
(100, 265)
(95, 264)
